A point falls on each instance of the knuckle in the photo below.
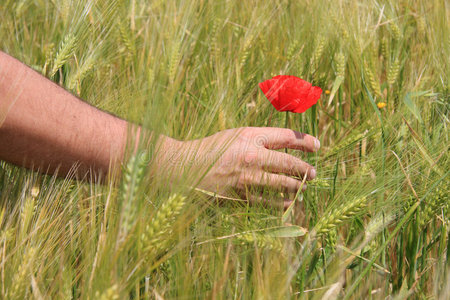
(249, 158)
(245, 179)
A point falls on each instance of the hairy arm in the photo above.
(43, 127)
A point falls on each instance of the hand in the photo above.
(243, 158)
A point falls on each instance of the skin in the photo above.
(45, 128)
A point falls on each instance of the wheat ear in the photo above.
(134, 173)
(339, 215)
(154, 238)
(65, 51)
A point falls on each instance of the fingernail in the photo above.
(316, 144)
(312, 173)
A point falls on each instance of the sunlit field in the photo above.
(373, 225)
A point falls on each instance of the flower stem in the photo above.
(286, 124)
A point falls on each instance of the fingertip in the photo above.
(312, 173)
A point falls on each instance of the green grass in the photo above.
(375, 224)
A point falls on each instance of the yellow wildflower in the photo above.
(381, 104)
(327, 92)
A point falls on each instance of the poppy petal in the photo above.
(290, 93)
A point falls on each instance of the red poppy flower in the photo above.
(290, 93)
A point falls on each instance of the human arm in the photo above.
(45, 128)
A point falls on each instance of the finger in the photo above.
(278, 203)
(274, 181)
(278, 138)
(278, 162)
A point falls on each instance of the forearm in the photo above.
(44, 127)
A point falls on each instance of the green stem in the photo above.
(286, 124)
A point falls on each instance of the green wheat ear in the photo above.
(339, 215)
(214, 46)
(350, 140)
(373, 82)
(331, 239)
(384, 49)
(395, 30)
(65, 51)
(21, 278)
(393, 72)
(155, 237)
(133, 175)
(377, 224)
(436, 203)
(174, 60)
(319, 183)
(112, 293)
(246, 51)
(421, 25)
(318, 51)
(26, 216)
(261, 241)
(292, 50)
(126, 38)
(81, 73)
(340, 65)
(49, 52)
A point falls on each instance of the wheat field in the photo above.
(373, 225)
